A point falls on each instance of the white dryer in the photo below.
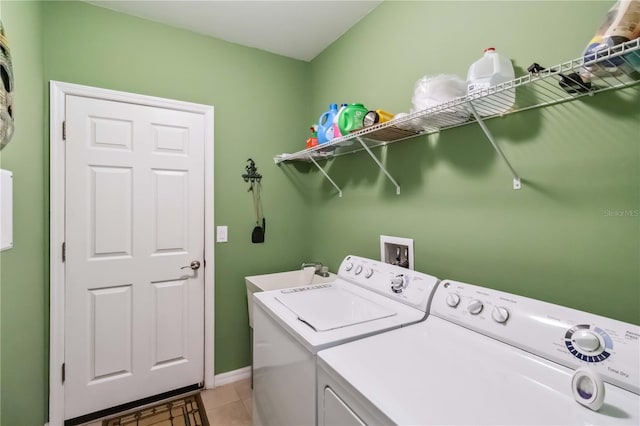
(290, 326)
(485, 357)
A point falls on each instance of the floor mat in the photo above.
(182, 411)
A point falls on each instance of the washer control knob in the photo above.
(453, 300)
(500, 314)
(398, 283)
(348, 266)
(368, 272)
(586, 340)
(475, 307)
(358, 269)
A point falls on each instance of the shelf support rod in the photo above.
(366, 148)
(516, 179)
(326, 175)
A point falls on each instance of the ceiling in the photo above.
(299, 29)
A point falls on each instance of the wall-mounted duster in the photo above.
(252, 175)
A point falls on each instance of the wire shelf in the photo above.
(609, 69)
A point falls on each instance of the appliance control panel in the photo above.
(404, 285)
(560, 334)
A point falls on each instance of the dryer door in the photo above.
(336, 412)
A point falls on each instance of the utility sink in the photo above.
(278, 280)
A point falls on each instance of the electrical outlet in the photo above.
(222, 234)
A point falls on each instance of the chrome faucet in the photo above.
(321, 270)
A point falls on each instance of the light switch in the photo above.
(221, 234)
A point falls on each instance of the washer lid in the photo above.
(328, 307)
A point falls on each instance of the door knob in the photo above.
(195, 265)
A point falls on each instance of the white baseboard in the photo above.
(232, 376)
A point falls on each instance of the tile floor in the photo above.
(226, 405)
(229, 405)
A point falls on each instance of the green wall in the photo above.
(23, 322)
(256, 96)
(555, 239)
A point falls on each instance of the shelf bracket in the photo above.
(516, 179)
(366, 148)
(326, 175)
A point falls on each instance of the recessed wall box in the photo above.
(397, 251)
(6, 210)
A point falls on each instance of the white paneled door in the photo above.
(134, 236)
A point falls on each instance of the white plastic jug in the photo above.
(488, 71)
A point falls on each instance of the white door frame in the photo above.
(57, 92)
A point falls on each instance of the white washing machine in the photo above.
(290, 326)
(485, 357)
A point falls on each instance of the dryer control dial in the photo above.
(368, 272)
(586, 340)
(348, 266)
(475, 307)
(500, 314)
(358, 269)
(453, 300)
(398, 283)
(588, 343)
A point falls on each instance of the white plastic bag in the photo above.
(432, 91)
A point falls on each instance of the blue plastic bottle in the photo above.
(325, 124)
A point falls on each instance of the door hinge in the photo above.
(63, 371)
(64, 130)
(64, 252)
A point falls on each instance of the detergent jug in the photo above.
(351, 117)
(336, 128)
(325, 124)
